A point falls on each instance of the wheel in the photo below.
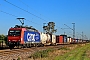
(11, 47)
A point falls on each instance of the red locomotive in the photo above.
(15, 36)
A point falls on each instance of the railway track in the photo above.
(15, 53)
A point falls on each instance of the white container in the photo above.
(69, 40)
(48, 38)
(53, 39)
(43, 38)
(80, 40)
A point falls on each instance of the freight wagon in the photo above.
(69, 40)
(61, 39)
(47, 39)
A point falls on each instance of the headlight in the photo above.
(18, 40)
(9, 40)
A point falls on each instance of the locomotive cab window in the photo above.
(14, 32)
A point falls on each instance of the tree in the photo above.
(5, 39)
(50, 28)
(2, 37)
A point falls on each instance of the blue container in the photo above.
(76, 40)
(65, 38)
(30, 36)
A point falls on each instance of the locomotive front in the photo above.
(14, 37)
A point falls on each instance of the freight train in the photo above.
(20, 36)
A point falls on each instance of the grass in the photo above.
(63, 48)
(41, 54)
(77, 54)
(18, 58)
(74, 52)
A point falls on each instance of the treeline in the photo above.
(3, 38)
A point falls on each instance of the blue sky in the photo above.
(43, 11)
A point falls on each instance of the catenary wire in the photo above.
(25, 10)
(17, 16)
(34, 10)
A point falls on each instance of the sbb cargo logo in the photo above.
(32, 37)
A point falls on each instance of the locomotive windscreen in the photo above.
(14, 32)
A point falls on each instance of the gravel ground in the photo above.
(20, 55)
(24, 55)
